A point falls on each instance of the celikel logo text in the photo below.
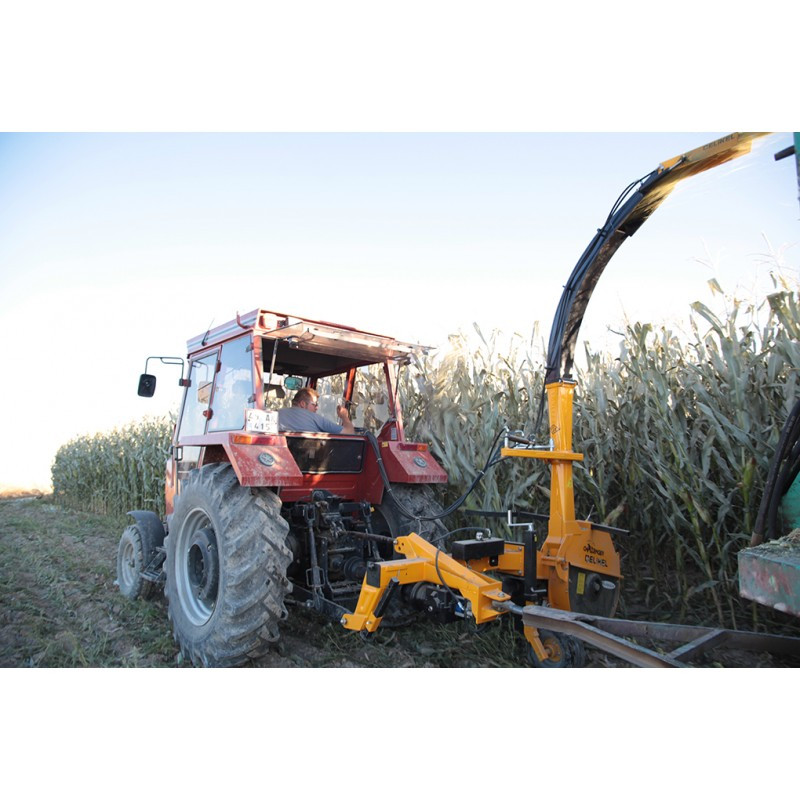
(594, 556)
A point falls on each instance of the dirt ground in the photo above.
(59, 607)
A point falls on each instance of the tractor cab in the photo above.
(240, 374)
(342, 365)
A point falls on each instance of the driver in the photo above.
(302, 416)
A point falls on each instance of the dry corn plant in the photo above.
(678, 437)
(116, 471)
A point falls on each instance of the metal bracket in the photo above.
(606, 634)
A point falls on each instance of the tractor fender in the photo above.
(265, 462)
(407, 462)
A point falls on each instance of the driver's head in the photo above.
(306, 398)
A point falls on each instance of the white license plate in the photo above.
(258, 421)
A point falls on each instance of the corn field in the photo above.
(677, 432)
(114, 472)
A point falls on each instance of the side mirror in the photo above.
(292, 383)
(147, 385)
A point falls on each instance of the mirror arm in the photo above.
(173, 361)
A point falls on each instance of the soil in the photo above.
(59, 607)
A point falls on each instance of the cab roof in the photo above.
(308, 347)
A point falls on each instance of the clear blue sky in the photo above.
(114, 247)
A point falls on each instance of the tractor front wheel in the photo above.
(133, 555)
(225, 568)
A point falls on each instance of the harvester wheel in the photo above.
(563, 651)
(226, 568)
(133, 555)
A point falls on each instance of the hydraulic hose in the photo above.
(491, 461)
(586, 273)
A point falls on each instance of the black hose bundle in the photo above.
(783, 470)
(490, 462)
(635, 203)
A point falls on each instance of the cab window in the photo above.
(369, 406)
(370, 409)
(198, 396)
(331, 393)
(233, 392)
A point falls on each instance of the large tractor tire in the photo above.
(226, 568)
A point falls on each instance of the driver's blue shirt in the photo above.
(300, 419)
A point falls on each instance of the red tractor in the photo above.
(252, 513)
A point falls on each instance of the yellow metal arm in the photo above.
(424, 562)
(545, 455)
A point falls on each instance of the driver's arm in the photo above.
(344, 420)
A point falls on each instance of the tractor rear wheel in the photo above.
(415, 499)
(391, 522)
(226, 562)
